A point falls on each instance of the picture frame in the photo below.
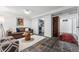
(20, 21)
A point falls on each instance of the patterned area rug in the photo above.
(45, 45)
(51, 45)
(8, 46)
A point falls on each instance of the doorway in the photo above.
(55, 25)
(41, 27)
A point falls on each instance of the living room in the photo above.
(32, 27)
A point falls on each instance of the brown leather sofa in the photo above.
(16, 35)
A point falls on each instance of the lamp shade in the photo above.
(1, 19)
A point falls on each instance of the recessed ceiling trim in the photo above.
(54, 11)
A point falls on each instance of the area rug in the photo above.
(9, 46)
(51, 45)
(45, 45)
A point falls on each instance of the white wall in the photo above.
(47, 25)
(78, 24)
(65, 26)
(70, 25)
(11, 22)
(35, 25)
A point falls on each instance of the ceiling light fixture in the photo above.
(27, 11)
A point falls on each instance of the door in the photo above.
(55, 26)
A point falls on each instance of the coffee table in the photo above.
(25, 44)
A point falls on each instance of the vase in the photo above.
(27, 36)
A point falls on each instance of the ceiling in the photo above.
(18, 10)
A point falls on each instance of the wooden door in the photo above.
(55, 26)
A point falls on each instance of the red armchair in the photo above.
(68, 38)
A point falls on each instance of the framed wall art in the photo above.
(20, 22)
